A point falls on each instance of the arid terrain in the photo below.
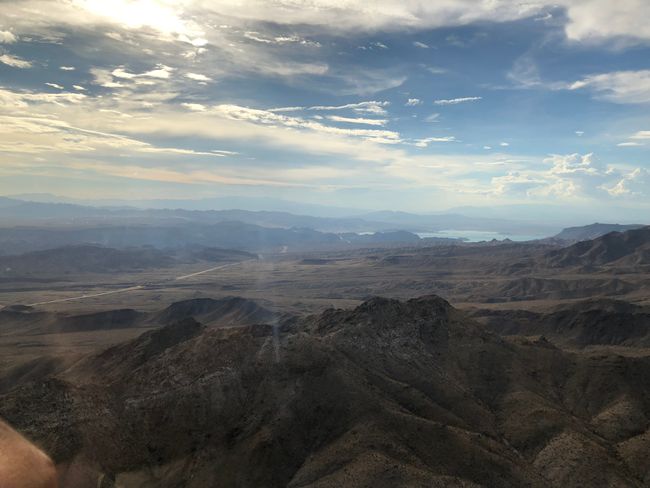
(486, 364)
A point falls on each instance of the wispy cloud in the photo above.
(358, 120)
(369, 107)
(456, 101)
(266, 117)
(428, 140)
(197, 77)
(618, 86)
(412, 102)
(15, 61)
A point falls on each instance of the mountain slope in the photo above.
(587, 323)
(593, 231)
(628, 248)
(388, 394)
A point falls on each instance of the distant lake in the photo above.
(479, 235)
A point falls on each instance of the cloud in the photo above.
(573, 177)
(636, 183)
(54, 85)
(197, 77)
(421, 45)
(426, 141)
(351, 120)
(504, 144)
(7, 37)
(618, 86)
(435, 70)
(579, 133)
(433, 117)
(600, 20)
(266, 117)
(455, 101)
(369, 107)
(78, 87)
(15, 61)
(195, 107)
(634, 139)
(67, 68)
(412, 102)
(161, 72)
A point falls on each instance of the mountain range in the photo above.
(386, 394)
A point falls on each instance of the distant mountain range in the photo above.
(21, 212)
(31, 224)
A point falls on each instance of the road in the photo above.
(134, 287)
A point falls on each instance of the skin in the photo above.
(22, 464)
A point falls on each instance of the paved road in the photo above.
(133, 287)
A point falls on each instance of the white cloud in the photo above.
(573, 177)
(636, 183)
(455, 101)
(580, 133)
(266, 117)
(634, 139)
(67, 68)
(412, 102)
(292, 39)
(504, 144)
(161, 72)
(600, 20)
(195, 107)
(78, 87)
(369, 107)
(428, 140)
(197, 77)
(433, 117)
(618, 86)
(421, 45)
(351, 120)
(14, 61)
(7, 37)
(54, 85)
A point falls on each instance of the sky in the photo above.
(391, 104)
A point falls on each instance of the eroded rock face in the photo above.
(388, 394)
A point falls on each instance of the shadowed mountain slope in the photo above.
(388, 394)
(592, 322)
(630, 248)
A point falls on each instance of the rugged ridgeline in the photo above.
(591, 322)
(387, 394)
(226, 311)
(593, 231)
(622, 249)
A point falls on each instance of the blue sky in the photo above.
(407, 105)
